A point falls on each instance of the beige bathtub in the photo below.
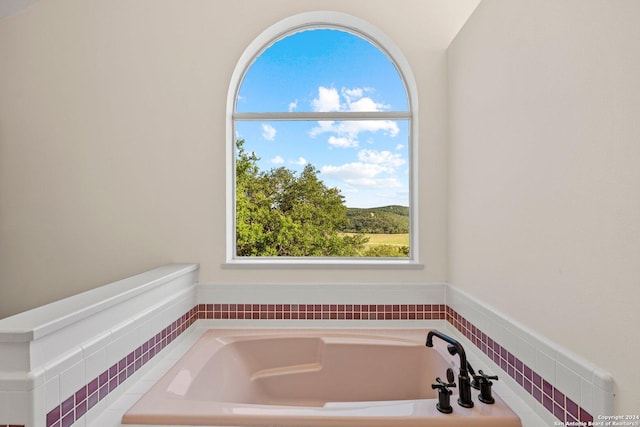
(310, 378)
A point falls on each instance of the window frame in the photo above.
(278, 31)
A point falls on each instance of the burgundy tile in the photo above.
(104, 390)
(558, 412)
(68, 420)
(53, 416)
(537, 380)
(528, 374)
(92, 387)
(325, 307)
(420, 307)
(585, 417)
(67, 405)
(558, 397)
(81, 409)
(537, 394)
(527, 385)
(81, 394)
(548, 403)
(572, 408)
(333, 307)
(547, 388)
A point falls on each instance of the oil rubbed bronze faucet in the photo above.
(464, 381)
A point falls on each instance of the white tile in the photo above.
(56, 367)
(130, 341)
(96, 343)
(52, 392)
(71, 380)
(527, 353)
(568, 382)
(96, 363)
(15, 407)
(94, 413)
(586, 394)
(115, 351)
(546, 366)
(602, 401)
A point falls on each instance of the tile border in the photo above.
(545, 393)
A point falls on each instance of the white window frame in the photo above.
(284, 28)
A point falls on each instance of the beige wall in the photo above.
(112, 137)
(544, 173)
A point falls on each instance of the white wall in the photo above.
(112, 137)
(543, 178)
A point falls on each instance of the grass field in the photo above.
(387, 239)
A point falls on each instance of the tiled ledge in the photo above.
(544, 392)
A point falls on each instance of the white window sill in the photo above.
(310, 263)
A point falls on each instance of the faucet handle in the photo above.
(484, 382)
(444, 393)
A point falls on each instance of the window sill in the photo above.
(306, 263)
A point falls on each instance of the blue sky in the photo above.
(330, 70)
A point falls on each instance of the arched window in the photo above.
(321, 145)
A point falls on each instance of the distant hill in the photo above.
(383, 220)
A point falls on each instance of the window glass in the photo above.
(322, 151)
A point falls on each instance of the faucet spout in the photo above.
(464, 382)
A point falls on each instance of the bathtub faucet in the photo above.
(464, 381)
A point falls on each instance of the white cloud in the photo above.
(385, 158)
(342, 142)
(352, 129)
(301, 161)
(399, 147)
(348, 100)
(328, 100)
(268, 132)
(360, 174)
(277, 160)
(293, 105)
(355, 170)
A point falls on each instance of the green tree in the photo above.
(280, 213)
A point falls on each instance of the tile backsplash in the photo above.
(543, 391)
(71, 388)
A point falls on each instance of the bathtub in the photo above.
(310, 378)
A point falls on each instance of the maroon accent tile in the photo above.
(547, 388)
(558, 397)
(572, 408)
(527, 372)
(92, 400)
(81, 409)
(585, 417)
(81, 394)
(548, 403)
(537, 394)
(537, 380)
(68, 420)
(67, 406)
(558, 412)
(53, 416)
